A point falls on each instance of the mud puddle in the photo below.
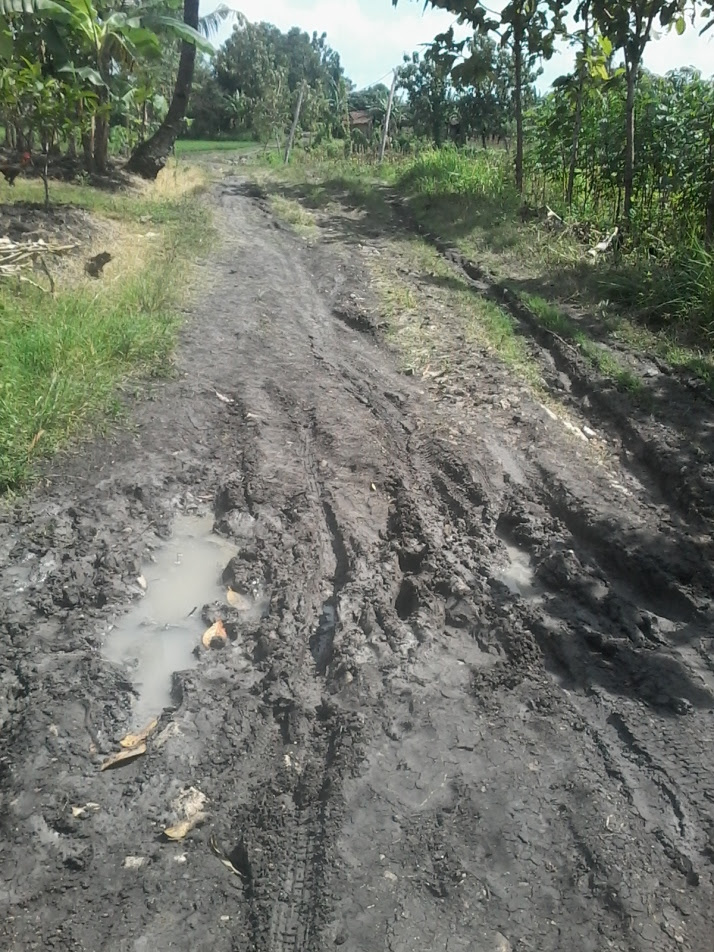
(518, 575)
(321, 642)
(159, 635)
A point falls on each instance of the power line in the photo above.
(388, 73)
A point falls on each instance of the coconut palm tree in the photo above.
(150, 156)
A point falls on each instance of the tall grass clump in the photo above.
(448, 171)
(674, 291)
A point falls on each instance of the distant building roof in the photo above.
(360, 117)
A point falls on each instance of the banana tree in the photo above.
(96, 43)
(48, 105)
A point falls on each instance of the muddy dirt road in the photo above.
(466, 699)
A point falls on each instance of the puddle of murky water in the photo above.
(158, 636)
(518, 574)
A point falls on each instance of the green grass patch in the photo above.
(599, 358)
(193, 146)
(358, 188)
(415, 323)
(63, 356)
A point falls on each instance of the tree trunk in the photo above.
(631, 67)
(150, 156)
(709, 235)
(518, 100)
(88, 146)
(46, 173)
(578, 119)
(348, 130)
(387, 117)
(575, 148)
(101, 143)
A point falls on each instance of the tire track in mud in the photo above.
(428, 592)
(662, 458)
(429, 781)
(651, 578)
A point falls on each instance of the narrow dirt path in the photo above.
(473, 710)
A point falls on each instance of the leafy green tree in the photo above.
(430, 94)
(485, 88)
(527, 27)
(258, 62)
(151, 155)
(628, 26)
(47, 105)
(592, 66)
(271, 112)
(371, 99)
(98, 44)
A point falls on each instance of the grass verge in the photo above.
(192, 146)
(662, 309)
(599, 358)
(415, 317)
(63, 356)
(292, 212)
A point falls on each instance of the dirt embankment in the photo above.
(471, 713)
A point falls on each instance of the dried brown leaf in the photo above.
(35, 440)
(182, 829)
(123, 756)
(215, 636)
(133, 740)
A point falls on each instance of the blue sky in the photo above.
(371, 36)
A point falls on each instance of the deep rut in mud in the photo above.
(472, 710)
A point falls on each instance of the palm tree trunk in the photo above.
(151, 156)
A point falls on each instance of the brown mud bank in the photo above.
(465, 696)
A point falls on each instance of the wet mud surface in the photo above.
(465, 697)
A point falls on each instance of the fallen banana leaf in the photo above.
(123, 756)
(215, 636)
(181, 830)
(237, 600)
(133, 740)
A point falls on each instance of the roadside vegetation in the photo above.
(592, 203)
(65, 356)
(93, 263)
(594, 200)
(193, 146)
